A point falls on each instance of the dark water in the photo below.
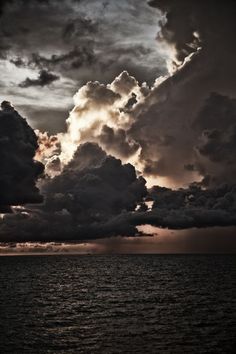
(118, 304)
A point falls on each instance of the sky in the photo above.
(121, 137)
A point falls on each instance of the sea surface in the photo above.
(118, 304)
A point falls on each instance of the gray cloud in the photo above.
(85, 41)
(184, 131)
(86, 198)
(96, 196)
(44, 78)
(19, 171)
(183, 106)
(216, 147)
(81, 35)
(74, 29)
(39, 118)
(74, 59)
(198, 28)
(189, 208)
(95, 185)
(118, 141)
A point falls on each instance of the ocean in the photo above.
(118, 304)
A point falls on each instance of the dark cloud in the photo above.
(19, 62)
(218, 112)
(216, 145)
(82, 26)
(190, 24)
(83, 202)
(84, 55)
(19, 171)
(184, 125)
(117, 141)
(191, 207)
(131, 102)
(74, 59)
(175, 210)
(217, 152)
(61, 25)
(95, 186)
(45, 78)
(183, 106)
(219, 146)
(83, 41)
(96, 196)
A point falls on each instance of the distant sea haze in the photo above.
(118, 304)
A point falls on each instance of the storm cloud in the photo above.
(86, 198)
(44, 78)
(170, 123)
(78, 35)
(19, 171)
(177, 131)
(77, 41)
(193, 207)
